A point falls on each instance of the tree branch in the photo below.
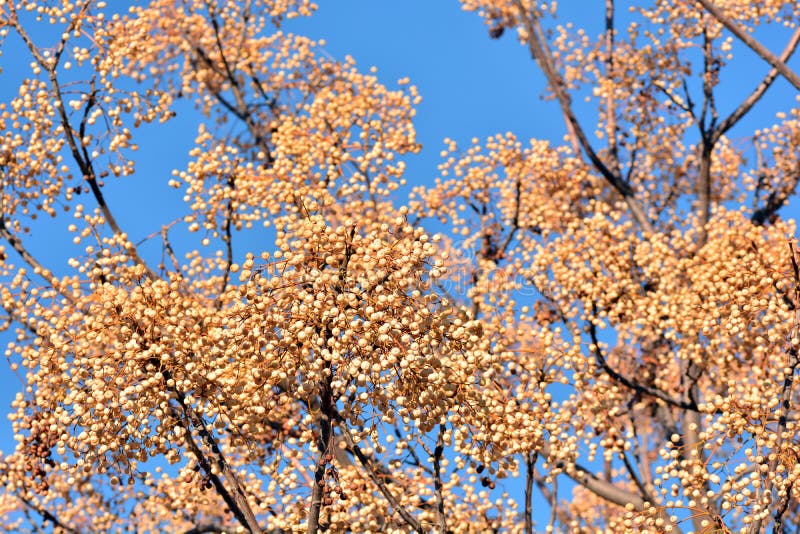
(707, 139)
(47, 516)
(759, 91)
(236, 500)
(639, 388)
(602, 488)
(530, 465)
(552, 499)
(366, 462)
(325, 446)
(611, 119)
(775, 201)
(540, 53)
(38, 268)
(754, 45)
(78, 151)
(437, 481)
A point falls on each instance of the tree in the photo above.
(620, 312)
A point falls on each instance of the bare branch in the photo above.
(703, 188)
(685, 106)
(208, 528)
(551, 496)
(636, 480)
(759, 91)
(710, 79)
(707, 140)
(169, 250)
(775, 201)
(754, 45)
(227, 238)
(602, 488)
(515, 220)
(240, 108)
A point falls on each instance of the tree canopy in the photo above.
(619, 312)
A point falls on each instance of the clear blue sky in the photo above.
(471, 86)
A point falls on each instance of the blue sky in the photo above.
(471, 85)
